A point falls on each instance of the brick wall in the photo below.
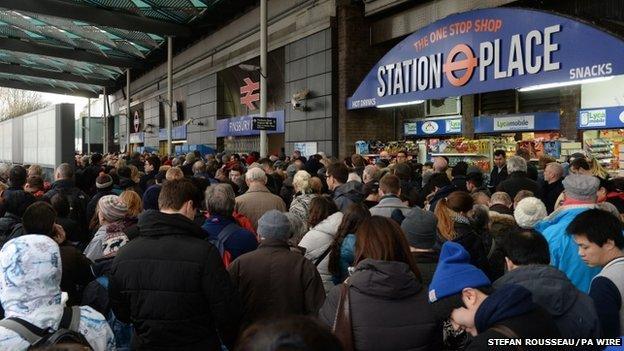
(355, 57)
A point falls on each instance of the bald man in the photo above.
(552, 186)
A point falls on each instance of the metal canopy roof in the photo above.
(77, 47)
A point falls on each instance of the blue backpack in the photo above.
(121, 330)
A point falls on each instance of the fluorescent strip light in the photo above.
(415, 102)
(564, 84)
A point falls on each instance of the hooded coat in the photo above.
(317, 241)
(573, 311)
(30, 289)
(171, 284)
(563, 249)
(511, 306)
(348, 193)
(389, 309)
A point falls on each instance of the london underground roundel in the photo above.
(488, 50)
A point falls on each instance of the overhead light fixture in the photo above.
(249, 68)
(565, 84)
(396, 104)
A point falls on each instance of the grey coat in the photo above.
(573, 311)
(387, 205)
(389, 309)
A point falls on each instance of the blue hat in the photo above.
(150, 198)
(274, 225)
(454, 273)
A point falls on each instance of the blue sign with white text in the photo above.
(489, 50)
(177, 133)
(601, 118)
(434, 127)
(517, 123)
(241, 126)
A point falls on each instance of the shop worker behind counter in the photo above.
(499, 172)
(193, 305)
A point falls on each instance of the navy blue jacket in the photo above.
(240, 242)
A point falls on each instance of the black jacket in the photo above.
(519, 181)
(440, 194)
(78, 200)
(171, 284)
(427, 261)
(76, 272)
(287, 192)
(473, 243)
(511, 307)
(147, 180)
(573, 311)
(7, 223)
(497, 177)
(389, 309)
(348, 193)
(550, 193)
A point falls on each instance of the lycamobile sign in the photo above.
(519, 122)
(488, 50)
(514, 123)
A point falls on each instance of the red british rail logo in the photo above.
(248, 97)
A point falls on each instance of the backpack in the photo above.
(77, 206)
(121, 330)
(223, 236)
(40, 338)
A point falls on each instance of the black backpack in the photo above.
(77, 206)
(38, 338)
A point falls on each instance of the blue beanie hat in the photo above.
(454, 273)
(150, 198)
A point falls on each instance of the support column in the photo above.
(128, 116)
(88, 137)
(105, 124)
(263, 73)
(169, 113)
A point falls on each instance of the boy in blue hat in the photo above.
(463, 293)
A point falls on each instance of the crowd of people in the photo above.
(238, 252)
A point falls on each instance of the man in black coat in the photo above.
(499, 172)
(552, 186)
(171, 283)
(518, 179)
(152, 166)
(78, 200)
(462, 292)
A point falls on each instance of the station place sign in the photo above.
(488, 50)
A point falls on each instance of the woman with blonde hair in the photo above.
(455, 225)
(135, 207)
(134, 174)
(304, 194)
(597, 170)
(133, 201)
